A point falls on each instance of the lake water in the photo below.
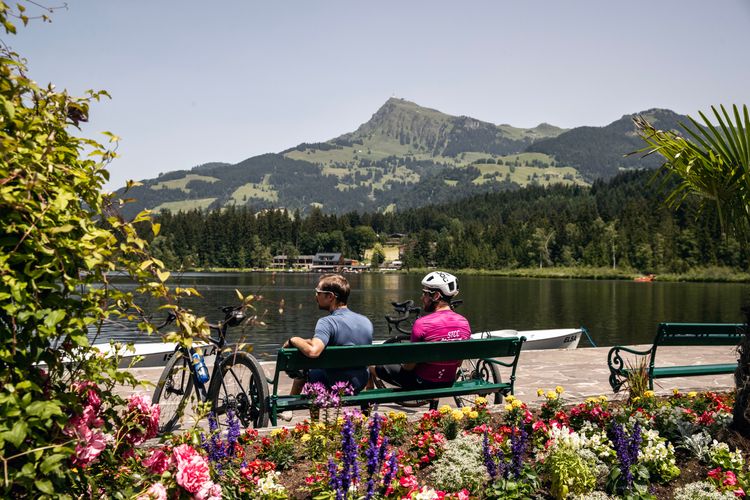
(614, 312)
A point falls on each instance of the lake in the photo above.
(614, 312)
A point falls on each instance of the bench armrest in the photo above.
(616, 364)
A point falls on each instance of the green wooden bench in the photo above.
(380, 354)
(677, 334)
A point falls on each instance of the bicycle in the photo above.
(469, 369)
(237, 382)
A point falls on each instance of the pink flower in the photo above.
(192, 469)
(729, 478)
(91, 444)
(157, 462)
(739, 492)
(715, 473)
(146, 417)
(209, 491)
(157, 491)
(463, 494)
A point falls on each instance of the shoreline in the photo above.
(698, 275)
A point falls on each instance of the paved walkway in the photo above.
(581, 372)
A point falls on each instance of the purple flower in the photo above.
(627, 452)
(494, 461)
(518, 442)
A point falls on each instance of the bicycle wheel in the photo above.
(478, 369)
(172, 391)
(397, 339)
(240, 386)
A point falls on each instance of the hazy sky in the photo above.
(193, 82)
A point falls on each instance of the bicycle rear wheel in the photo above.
(397, 339)
(478, 369)
(240, 386)
(172, 391)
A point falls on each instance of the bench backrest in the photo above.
(406, 352)
(699, 334)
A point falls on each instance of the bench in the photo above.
(677, 334)
(380, 354)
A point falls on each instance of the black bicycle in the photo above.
(405, 313)
(237, 382)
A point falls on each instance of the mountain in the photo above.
(405, 156)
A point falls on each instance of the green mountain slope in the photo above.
(405, 156)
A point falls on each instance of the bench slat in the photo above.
(395, 395)
(690, 370)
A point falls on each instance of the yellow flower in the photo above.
(559, 389)
(603, 398)
(275, 432)
(320, 426)
(445, 409)
(340, 421)
(692, 394)
(465, 410)
(675, 391)
(540, 392)
(457, 415)
(305, 438)
(473, 414)
(508, 407)
(516, 403)
(648, 394)
(480, 401)
(510, 397)
(551, 395)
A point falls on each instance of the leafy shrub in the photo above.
(569, 472)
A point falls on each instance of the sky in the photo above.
(196, 82)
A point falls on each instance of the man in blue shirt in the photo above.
(341, 327)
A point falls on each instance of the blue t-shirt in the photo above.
(343, 327)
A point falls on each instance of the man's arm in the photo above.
(309, 347)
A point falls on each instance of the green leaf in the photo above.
(17, 434)
(54, 318)
(43, 409)
(45, 486)
(51, 462)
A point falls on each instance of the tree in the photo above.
(378, 256)
(60, 236)
(713, 164)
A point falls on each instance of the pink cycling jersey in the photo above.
(439, 326)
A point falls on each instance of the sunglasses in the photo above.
(318, 290)
(428, 292)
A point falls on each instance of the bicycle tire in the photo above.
(240, 385)
(481, 369)
(397, 339)
(172, 391)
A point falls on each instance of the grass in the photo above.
(261, 191)
(182, 183)
(185, 205)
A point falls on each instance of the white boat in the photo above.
(558, 338)
(154, 354)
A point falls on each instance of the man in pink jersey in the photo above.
(441, 324)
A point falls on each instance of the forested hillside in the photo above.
(618, 222)
(405, 156)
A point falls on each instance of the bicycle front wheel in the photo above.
(482, 370)
(172, 391)
(240, 386)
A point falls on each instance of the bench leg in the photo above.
(434, 404)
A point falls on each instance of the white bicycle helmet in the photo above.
(444, 282)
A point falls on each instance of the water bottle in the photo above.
(200, 366)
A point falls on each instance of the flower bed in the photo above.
(678, 447)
